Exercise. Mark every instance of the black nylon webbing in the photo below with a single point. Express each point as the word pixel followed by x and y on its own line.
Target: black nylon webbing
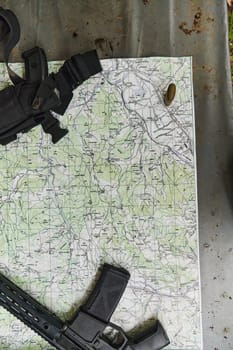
pixel 9 35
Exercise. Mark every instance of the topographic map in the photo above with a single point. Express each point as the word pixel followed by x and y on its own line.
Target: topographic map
pixel 119 188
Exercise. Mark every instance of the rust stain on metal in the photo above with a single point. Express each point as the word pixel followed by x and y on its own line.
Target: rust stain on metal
pixel 146 2
pixel 197 18
pixel 73 30
pixel 184 29
pixel 195 26
pixel 100 42
pixel 206 68
pixel 104 45
pixel 208 88
pixel 110 45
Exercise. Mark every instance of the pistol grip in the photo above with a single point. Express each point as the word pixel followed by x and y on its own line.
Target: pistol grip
pixel 153 339
pixel 94 316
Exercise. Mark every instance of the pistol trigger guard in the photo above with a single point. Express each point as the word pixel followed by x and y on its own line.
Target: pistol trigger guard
pixel 107 340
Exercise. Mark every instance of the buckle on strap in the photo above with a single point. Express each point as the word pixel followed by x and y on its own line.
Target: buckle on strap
pixel 51 126
pixel 73 73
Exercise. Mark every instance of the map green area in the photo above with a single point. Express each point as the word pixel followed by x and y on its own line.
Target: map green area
pixel 119 188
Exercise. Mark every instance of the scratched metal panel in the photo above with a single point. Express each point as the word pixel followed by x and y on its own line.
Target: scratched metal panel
pixel 131 28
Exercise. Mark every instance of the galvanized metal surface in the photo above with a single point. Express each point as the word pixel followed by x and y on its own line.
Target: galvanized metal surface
pixel 134 28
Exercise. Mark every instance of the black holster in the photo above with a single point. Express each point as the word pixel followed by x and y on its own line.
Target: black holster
pixel 14 115
pixel 35 99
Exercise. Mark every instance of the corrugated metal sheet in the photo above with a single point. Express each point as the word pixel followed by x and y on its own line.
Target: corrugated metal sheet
pixel 134 28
